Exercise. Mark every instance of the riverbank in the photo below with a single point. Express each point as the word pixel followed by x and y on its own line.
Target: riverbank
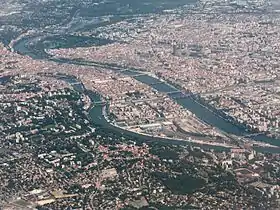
pixel 192 104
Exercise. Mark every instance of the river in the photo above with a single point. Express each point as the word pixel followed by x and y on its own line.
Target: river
pixel 195 105
pixel 97 118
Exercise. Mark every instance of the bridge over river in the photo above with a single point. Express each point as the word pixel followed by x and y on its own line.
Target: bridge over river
pixel 190 101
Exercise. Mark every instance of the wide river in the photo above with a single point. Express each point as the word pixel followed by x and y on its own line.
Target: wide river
pixel 194 104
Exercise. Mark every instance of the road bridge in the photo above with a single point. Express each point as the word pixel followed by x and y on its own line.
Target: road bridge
pixel 139 74
pixel 157 83
pixel 174 92
pixel 75 83
pixel 99 103
pixel 253 135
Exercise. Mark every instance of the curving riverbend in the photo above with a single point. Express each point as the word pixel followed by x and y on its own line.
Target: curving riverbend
pixel 192 103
